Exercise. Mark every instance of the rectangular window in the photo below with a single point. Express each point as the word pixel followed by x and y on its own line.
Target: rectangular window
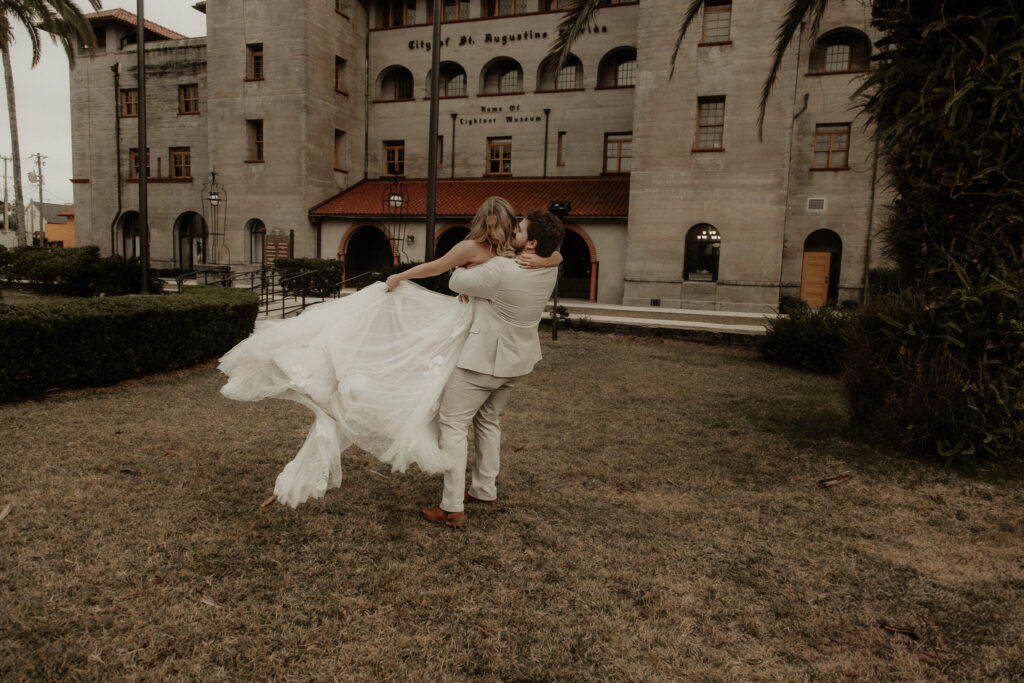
pixel 499 156
pixel 133 163
pixel 717 18
pixel 339 149
pixel 188 99
pixel 394 157
pixel 181 162
pixel 837 58
pixel 255 127
pixel 255 68
pixel 129 102
pixel 451 10
pixel 339 74
pixel 504 8
pixel 618 152
pixel 392 13
pixel 561 148
pixel 710 123
pixel 832 145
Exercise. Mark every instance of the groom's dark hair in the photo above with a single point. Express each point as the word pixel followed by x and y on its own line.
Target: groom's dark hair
pixel 544 227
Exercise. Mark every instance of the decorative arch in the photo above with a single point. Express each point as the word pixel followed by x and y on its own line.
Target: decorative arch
pixel 368 258
pixel 579 265
pixel 700 260
pixel 189 236
pixel 256 239
pixel 840 51
pixel 569 77
pixel 127 238
pixel 501 75
pixel 453 82
pixel 394 84
pixel 617 68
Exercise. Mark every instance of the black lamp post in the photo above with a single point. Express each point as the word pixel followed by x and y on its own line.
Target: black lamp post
pixel 561 209
pixel 395 205
pixel 214 196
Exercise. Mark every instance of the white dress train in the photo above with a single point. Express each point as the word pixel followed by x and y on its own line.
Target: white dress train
pixel 371 366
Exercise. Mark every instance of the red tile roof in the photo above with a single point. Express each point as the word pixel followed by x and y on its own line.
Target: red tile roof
pixel 126 17
pixel 590 197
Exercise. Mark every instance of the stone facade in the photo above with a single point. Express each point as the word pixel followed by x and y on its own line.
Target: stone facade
pixel 339 87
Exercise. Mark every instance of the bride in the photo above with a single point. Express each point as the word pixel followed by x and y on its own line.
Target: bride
pixel 372 365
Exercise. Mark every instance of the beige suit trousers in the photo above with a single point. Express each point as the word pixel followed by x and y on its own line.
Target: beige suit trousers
pixel 478 398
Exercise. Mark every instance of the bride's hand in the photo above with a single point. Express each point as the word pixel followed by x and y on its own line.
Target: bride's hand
pixel 393 281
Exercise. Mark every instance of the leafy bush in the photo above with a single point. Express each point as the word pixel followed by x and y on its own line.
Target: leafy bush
pixel 882 281
pixel 807 338
pixel 77 271
pixel 317 277
pixel 942 370
pixel 75 342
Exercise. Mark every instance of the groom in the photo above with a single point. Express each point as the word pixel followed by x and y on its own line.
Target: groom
pixel 508 302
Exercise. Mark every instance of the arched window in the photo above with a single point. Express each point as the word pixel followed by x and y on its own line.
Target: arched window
pixel 700 263
pixel 840 51
pixel 256 230
pixel 503 75
pixel 395 84
pixel 569 77
pixel 452 81
pixel 129 228
pixel 618 69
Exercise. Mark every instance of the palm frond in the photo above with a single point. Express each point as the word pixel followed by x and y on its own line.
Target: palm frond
pixel 691 12
pixel 795 17
pixel 570 28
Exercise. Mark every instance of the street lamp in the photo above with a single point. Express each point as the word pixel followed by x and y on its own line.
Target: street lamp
pixel 395 205
pixel 213 195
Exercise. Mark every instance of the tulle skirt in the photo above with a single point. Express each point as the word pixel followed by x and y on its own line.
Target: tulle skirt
pixel 371 366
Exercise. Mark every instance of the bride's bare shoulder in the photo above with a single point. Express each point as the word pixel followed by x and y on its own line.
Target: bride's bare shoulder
pixel 471 253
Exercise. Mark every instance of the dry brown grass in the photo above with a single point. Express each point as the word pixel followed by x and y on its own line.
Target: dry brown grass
pixel 660 518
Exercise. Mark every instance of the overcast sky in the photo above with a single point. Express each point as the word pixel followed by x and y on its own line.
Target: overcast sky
pixel 43 98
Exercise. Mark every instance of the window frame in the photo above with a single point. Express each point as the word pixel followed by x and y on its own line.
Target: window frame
pixel 184 156
pixel 339 73
pixel 701 101
pixel 183 100
pixel 821 130
pixel 492 9
pixel 257 142
pixel 719 7
pixel 398 148
pixel 446 79
pixel 339 141
pixel 129 103
pixel 133 164
pixel 386 13
pixel 504 146
pixel 618 139
pixel 255 63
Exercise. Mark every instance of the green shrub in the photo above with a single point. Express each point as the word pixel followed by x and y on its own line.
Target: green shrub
pixel 116 275
pixel 882 281
pixel 76 342
pixel 76 271
pixel 941 370
pixel 317 277
pixel 807 338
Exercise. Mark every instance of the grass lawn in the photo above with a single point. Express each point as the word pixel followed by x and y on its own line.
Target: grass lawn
pixel 659 518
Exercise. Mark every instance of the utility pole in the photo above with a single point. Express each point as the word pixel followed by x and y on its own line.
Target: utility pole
pixel 140 44
pixel 435 81
pixel 39 178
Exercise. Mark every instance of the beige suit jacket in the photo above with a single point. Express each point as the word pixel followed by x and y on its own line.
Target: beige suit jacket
pixel 508 302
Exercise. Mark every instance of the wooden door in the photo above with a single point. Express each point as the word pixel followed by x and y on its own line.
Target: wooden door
pixel 814 283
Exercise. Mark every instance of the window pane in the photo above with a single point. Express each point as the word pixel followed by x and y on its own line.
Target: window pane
pixel 567 77
pixel 837 58
pixel 716 25
pixel 821 143
pixel 821 159
pixel 839 159
pixel 626 73
pixel 510 81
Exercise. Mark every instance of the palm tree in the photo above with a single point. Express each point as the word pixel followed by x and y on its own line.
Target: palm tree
pixel 581 14
pixel 64 22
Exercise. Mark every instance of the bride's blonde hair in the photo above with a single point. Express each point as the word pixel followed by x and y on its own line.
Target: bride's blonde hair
pixel 498 235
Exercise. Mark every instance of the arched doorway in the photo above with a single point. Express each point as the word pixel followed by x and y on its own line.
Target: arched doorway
pixel 448 239
pixel 190 240
pixel 579 267
pixel 128 234
pixel 823 256
pixel 703 246
pixel 366 248
pixel 256 234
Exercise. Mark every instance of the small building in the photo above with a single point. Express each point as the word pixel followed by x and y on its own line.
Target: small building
pixel 62 234
pixel 39 216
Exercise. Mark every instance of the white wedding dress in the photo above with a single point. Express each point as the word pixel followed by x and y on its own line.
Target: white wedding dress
pixel 371 366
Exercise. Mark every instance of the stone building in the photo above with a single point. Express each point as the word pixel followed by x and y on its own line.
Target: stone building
pixel 302 129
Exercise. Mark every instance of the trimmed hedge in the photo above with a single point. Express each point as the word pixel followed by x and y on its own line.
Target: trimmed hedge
pixel 318 277
pixel 73 342
pixel 76 271
pixel 808 338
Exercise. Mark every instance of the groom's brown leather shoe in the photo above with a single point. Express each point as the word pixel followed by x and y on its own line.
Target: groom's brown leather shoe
pixel 473 499
pixel 450 519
